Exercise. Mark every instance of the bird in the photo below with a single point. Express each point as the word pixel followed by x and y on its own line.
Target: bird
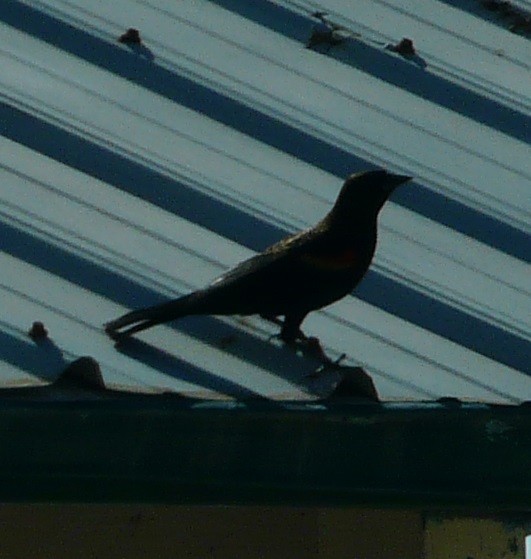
pixel 293 277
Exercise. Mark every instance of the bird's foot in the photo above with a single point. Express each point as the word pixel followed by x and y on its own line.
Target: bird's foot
pixel 315 349
pixel 310 346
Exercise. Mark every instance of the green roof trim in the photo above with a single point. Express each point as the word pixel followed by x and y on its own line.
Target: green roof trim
pixel 164 449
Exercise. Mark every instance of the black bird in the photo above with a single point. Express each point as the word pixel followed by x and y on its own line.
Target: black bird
pixel 299 274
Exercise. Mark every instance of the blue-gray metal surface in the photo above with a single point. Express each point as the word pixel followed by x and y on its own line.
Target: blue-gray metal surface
pixel 133 173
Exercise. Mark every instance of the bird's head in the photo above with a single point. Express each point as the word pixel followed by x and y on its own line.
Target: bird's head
pixel 364 194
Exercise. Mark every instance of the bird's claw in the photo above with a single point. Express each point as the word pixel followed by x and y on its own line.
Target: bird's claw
pixel 327 365
pixel 311 347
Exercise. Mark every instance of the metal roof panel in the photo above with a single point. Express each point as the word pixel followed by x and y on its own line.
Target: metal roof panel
pixel 131 176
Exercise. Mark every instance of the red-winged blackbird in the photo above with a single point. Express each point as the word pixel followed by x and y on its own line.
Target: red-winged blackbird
pixel 299 274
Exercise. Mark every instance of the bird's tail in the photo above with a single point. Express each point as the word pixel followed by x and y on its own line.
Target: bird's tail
pixel 135 321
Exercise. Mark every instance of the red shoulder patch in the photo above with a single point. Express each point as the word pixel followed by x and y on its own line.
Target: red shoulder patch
pixel 337 261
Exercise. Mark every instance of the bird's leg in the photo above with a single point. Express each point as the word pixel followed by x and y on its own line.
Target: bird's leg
pixel 275 320
pixel 291 329
pixel 272 318
pixel 291 333
pixel 327 365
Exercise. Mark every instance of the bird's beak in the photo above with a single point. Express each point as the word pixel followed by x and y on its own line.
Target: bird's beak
pixel 395 180
pixel 399 179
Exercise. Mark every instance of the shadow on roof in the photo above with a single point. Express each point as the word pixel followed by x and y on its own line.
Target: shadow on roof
pixel 43 360
pixel 393 69
pixel 272 131
pixel 383 292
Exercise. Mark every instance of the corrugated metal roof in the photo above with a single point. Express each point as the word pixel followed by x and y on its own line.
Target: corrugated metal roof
pixel 130 174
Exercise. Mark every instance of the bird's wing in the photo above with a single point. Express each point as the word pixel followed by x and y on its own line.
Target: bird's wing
pixel 309 249
pixel 317 248
pixel 254 266
pixel 275 254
